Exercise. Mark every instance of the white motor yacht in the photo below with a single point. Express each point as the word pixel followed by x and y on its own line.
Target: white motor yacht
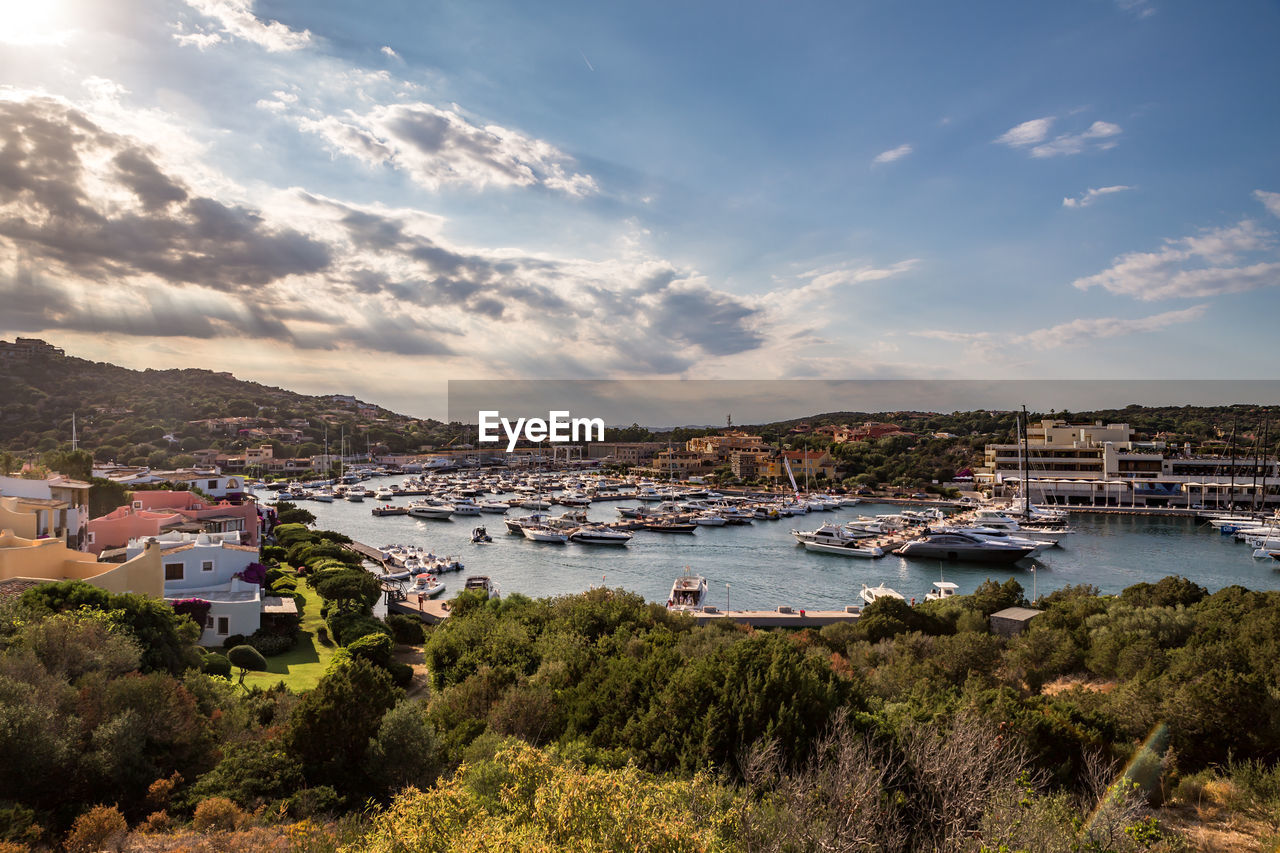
pixel 596 535
pixel 435 511
pixel 871 594
pixel 688 593
pixel 941 590
pixel 849 548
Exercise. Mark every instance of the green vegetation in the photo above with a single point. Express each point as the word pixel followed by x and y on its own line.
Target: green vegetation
pixel 637 729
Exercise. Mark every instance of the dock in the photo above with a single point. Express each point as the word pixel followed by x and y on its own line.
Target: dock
pixel 430 610
pixel 783 617
pixel 369 553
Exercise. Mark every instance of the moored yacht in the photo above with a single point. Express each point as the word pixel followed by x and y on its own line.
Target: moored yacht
pixel 962 546
pixel 688 593
pixel 872 594
pixel 598 535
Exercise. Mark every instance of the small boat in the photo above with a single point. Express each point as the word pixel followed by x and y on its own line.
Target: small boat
pixel 710 520
pixel 493 506
pixel 600 536
pixel 941 590
pixel 390 510
pixel 516 525
pixel 480 535
pixel 542 533
pixel 426 586
pixel 391 577
pixel 671 527
pixel 851 548
pixel 482 583
pixel 688 593
pixel 870 594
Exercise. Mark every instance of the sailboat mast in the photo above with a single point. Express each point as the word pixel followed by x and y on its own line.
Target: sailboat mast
pixel 1257 449
pixel 1266 460
pixel 1231 492
pixel 1026 464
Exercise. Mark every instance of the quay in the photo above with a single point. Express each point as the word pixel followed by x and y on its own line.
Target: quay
pixel 430 610
pixel 369 553
pixel 783 617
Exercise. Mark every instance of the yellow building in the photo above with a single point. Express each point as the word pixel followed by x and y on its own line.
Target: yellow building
pixel 51 560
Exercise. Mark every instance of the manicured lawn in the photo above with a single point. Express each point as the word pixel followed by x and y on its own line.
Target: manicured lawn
pixel 301 667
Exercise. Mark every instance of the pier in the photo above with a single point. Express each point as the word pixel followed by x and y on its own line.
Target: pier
pixel 783 617
pixel 430 610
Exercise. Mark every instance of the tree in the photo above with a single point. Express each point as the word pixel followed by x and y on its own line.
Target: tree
pixel 330 729
pixel 349 589
pixel 246 658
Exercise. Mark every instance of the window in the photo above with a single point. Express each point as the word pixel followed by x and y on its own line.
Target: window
pixel 224 626
pixel 173 571
pixel 92 537
pixel 206 566
pixel 213 484
pixel 208 622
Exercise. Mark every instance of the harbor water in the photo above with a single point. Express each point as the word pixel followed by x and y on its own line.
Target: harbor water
pixel 760 565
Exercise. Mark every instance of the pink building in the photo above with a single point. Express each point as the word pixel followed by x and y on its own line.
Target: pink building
pixel 151 513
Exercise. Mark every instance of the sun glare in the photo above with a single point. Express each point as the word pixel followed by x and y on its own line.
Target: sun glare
pixel 31 23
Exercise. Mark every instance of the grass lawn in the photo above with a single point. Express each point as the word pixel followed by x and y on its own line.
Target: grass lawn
pixel 299 668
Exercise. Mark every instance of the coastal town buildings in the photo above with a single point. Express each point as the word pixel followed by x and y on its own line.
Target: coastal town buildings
pixel 55 506
pixel 150 513
pixel 1103 465
pixel 26 562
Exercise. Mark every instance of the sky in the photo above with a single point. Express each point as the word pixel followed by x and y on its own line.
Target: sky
pixel 378 198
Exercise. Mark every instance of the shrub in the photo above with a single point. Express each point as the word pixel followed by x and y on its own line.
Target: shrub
pixel 401 673
pixel 158 822
pixel 18 824
pixel 273 552
pixel 216 814
pixel 348 627
pixel 216 664
pixel 373 647
pixel 233 641
pixel 100 828
pixel 271 645
pixel 406 629
pixel 322 634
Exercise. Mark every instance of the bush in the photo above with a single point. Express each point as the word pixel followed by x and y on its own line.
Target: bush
pixel 348 627
pixel 401 673
pixel 373 647
pixel 216 814
pixel 233 641
pixel 158 822
pixel 322 634
pixel 100 828
pixel 273 552
pixel 271 645
pixel 406 629
pixel 216 664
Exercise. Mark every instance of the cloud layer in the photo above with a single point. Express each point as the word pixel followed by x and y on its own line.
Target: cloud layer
pixel 1031 135
pixel 1091 195
pixel 95 235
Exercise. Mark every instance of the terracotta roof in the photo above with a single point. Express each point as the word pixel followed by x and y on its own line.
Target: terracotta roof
pixel 14 587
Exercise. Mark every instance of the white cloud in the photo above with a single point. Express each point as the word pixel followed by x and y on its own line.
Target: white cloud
pixel 1100 135
pixel 1091 195
pixel 390 51
pixel 1270 200
pixel 1081 331
pixel 1070 334
pixel 893 154
pixel 237 19
pixel 442 146
pixel 1141 8
pixel 1207 264
pixel 1027 133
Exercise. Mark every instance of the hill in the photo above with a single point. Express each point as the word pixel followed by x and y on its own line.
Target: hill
pixel 152 416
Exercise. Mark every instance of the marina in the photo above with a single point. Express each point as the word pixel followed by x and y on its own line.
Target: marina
pixel 760 566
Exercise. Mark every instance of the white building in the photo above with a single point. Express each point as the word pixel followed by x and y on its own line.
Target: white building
pixel 204 567
pixel 1097 465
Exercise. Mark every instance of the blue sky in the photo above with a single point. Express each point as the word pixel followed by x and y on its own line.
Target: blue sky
pixel 376 198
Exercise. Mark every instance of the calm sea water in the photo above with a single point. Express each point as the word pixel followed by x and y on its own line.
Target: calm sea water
pixel 763 567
